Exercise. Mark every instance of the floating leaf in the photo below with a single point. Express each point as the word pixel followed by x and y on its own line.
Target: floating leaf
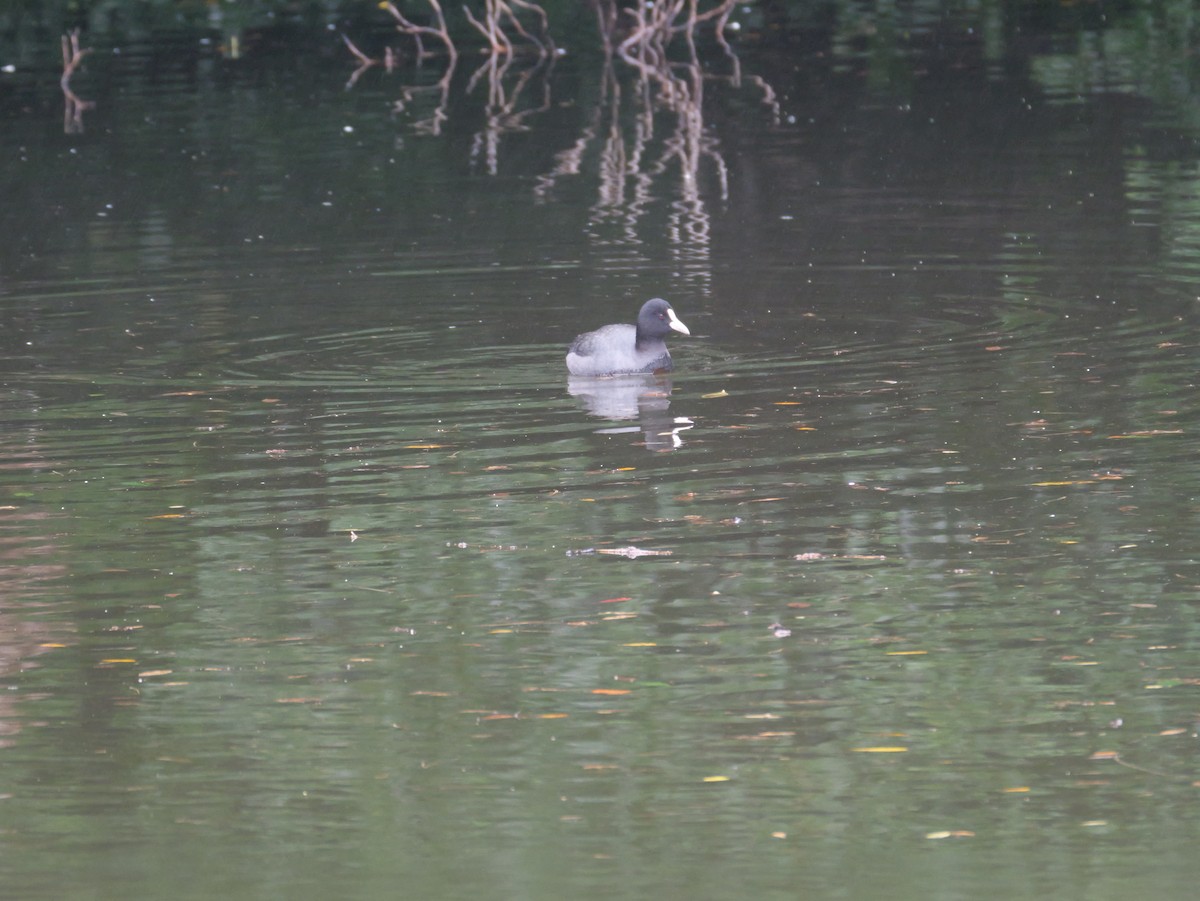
pixel 905 653
pixel 612 691
pixel 716 778
pixel 881 749
pixel 721 393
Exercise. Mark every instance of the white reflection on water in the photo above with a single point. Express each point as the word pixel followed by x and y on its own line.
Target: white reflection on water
pixel 645 397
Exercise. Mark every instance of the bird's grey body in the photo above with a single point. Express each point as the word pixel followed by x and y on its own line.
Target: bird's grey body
pixel 621 348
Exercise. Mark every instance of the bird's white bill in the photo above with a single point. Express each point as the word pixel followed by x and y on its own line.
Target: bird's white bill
pixel 676 323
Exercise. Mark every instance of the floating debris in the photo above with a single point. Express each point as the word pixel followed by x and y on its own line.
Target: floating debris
pixel 631 552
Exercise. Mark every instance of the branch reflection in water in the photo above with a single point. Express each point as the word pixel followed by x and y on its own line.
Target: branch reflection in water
pixel 502 113
pixel 641 86
pixel 642 396
pixel 73 106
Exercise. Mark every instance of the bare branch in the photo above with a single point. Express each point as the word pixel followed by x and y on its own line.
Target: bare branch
pixel 359 55
pixel 442 33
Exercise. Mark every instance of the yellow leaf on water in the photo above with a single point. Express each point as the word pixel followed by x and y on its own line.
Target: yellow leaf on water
pixel 721 393
pixel 881 749
pixel 716 778
pixel 612 691
pixel 1016 789
pixel 641 644
pixel 905 653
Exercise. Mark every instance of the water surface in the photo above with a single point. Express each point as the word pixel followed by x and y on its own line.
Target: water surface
pixel 319 578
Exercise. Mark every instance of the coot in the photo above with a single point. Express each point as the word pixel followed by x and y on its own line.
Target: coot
pixel 614 349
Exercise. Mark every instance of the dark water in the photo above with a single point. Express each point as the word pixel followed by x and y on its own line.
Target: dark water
pixel 319 579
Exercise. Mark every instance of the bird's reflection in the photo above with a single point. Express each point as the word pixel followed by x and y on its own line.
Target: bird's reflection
pixel 642 396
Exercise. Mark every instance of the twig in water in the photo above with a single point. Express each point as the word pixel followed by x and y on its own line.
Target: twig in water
pixel 441 32
pixel 74 106
pixel 364 62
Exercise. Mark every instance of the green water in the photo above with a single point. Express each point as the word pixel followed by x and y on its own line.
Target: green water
pixel 318 579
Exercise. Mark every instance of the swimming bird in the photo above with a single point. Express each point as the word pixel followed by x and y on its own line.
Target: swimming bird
pixel 620 348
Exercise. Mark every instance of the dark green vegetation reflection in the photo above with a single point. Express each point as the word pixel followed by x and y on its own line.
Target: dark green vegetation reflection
pixel 319 577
